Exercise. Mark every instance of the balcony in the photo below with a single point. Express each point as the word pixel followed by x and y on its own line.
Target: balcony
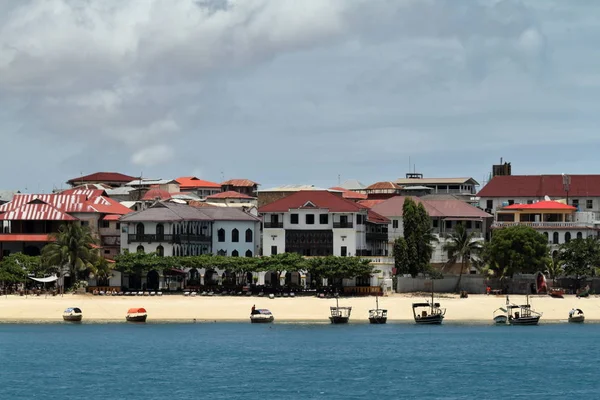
pixel 190 238
pixel 273 224
pixel 111 240
pixel 167 238
pixel 337 225
pixel 372 236
pixel 545 225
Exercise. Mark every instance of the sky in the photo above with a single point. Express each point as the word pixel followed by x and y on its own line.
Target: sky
pixel 296 92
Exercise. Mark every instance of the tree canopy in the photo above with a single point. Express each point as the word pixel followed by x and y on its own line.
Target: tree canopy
pixel 580 257
pixel 412 253
pixel 461 245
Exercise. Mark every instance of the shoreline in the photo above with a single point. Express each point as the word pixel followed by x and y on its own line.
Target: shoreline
pixel 177 309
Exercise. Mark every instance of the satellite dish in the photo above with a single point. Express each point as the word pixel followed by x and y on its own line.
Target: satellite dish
pixel 547 198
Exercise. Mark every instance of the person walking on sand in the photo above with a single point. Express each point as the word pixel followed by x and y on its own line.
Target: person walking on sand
pixel 253 309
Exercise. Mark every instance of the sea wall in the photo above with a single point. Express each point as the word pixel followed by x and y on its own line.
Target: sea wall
pixel 470 283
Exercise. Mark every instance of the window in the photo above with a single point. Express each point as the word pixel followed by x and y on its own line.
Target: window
pixel 567 237
pixel 249 235
pixel 235 253
pixel 575 202
pixel 106 251
pixel 105 224
pixel 344 251
pixel 395 224
pixel 448 224
pixel 589 203
pixel 139 229
pixel 294 219
pixel 140 249
pixel 248 253
pixel 477 225
pixel 555 238
pixel 323 219
pixel 221 235
pixel 489 204
pixel 469 224
pixel 529 201
pixel 85 223
pixel 222 253
pixel 235 235
pixel 273 250
pixel 310 219
pixel 360 219
pixel 511 202
pixel 160 232
pixel 118 225
pixel 579 235
pixel 435 223
pixel 160 251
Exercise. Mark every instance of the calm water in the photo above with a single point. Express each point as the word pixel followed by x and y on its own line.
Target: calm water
pixel 234 361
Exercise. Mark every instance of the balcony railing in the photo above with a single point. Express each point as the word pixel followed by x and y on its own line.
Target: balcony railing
pixel 150 238
pixel 273 224
pixel 544 224
pixel 372 236
pixel 343 225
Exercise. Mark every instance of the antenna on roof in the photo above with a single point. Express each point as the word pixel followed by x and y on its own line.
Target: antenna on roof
pixel 339 179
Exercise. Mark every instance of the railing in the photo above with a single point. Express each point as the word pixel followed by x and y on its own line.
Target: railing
pixel 372 236
pixel 501 224
pixel 343 225
pixel 190 238
pixel 273 224
pixel 149 238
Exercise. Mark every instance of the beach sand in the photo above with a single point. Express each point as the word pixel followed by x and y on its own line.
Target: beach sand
pixel 177 308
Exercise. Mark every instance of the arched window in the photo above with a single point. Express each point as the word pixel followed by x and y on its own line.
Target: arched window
pixel 140 249
pixel 546 234
pixel 248 253
pixel 160 251
pixel 139 230
pixel 555 238
pixel 235 235
pixel 579 235
pixel 221 235
pixel 249 235
pixel 567 237
pixel 235 253
pixel 221 253
pixel 160 232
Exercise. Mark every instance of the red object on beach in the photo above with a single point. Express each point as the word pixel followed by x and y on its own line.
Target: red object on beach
pixel 136 311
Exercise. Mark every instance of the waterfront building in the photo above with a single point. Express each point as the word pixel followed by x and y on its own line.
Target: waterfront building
pixel 244 186
pixel 199 187
pixel 461 188
pixel 110 179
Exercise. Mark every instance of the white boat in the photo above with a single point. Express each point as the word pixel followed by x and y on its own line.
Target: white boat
pixel 501 316
pixel 261 316
pixel 576 316
pixel 73 314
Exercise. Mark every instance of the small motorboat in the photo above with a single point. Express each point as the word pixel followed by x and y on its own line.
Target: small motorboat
pixel 136 315
pixel 501 316
pixel 73 314
pixel 377 316
pixel 261 316
pixel 557 293
pixel 339 315
pixel 576 316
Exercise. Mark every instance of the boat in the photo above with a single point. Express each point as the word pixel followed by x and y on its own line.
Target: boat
pixel 501 316
pixel 584 292
pixel 261 316
pixel 576 316
pixel 523 314
pixel 435 316
pixel 378 315
pixel 557 293
pixel 73 314
pixel 136 315
pixel 339 315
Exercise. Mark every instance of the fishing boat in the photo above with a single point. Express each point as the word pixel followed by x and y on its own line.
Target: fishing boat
pixel 136 315
pixel 73 314
pixel 435 315
pixel 339 315
pixel 557 293
pixel 261 316
pixel 523 314
pixel 576 316
pixel 378 315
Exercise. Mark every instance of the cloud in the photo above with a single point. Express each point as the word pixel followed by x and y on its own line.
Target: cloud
pixel 153 155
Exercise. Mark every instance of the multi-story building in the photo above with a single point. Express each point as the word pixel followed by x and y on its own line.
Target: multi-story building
pixel 580 191
pixel 244 186
pixel 321 223
pixel 463 188
pixel 382 190
pixel 112 179
pixel 199 187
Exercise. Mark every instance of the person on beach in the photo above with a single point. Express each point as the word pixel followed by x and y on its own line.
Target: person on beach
pixel 253 310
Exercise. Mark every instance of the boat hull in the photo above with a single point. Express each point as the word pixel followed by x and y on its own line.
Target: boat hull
pixel 73 318
pixel 430 320
pixel 577 320
pixel 378 320
pixel 261 320
pixel 339 320
pixel 136 318
pixel 500 319
pixel 524 321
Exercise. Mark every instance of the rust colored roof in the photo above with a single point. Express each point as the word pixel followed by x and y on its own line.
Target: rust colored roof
pixel 349 194
pixel 191 182
pixel 36 212
pixel 308 198
pixel 435 208
pixel 239 183
pixel 106 205
pixel 111 217
pixel 156 193
pixel 375 218
pixel 541 205
pixel 88 193
pixel 104 177
pixel 370 203
pixel 229 195
pixel 199 204
pixel 383 186
pixel 540 186
pixel 63 202
pixel 17 237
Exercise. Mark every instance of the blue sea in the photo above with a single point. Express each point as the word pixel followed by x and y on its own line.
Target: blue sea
pixel 296 361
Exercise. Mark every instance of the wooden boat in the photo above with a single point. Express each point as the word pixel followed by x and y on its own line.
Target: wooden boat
pixel 73 314
pixel 576 316
pixel 136 315
pixel 584 292
pixel 523 314
pixel 435 315
pixel 557 293
pixel 261 316
pixel 378 315
pixel 501 316
pixel 339 315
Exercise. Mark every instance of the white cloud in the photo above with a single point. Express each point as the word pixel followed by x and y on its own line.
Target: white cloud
pixel 153 155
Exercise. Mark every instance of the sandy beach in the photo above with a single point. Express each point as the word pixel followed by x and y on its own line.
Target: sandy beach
pixel 177 308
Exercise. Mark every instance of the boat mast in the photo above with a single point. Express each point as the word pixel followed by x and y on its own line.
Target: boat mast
pixel 432 296
pixel 377 302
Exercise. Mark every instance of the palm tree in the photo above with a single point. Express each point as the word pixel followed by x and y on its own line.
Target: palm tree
pixel 72 247
pixel 461 245
pixel 554 267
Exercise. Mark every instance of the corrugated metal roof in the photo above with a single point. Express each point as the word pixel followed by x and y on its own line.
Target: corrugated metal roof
pixel 383 186
pixel 433 181
pixel 168 211
pixel 36 212
pixel 147 182
pixel 18 237
pixel 189 182
pixel 435 208
pixel 321 199
pixel 352 184
pixel 239 183
pixel 103 177
pixel 290 188
pixel 540 186
pixel 120 191
pixel 88 193
pixel 63 202
pixel 229 195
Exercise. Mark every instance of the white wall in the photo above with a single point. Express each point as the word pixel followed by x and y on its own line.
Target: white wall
pixel 273 237
pixel 349 241
pixel 497 201
pixel 242 246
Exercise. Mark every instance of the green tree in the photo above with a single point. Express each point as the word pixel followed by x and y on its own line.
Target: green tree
pixel 554 267
pixel 416 255
pixel 401 259
pixel 15 268
pixel 516 249
pixel 461 246
pixel 580 256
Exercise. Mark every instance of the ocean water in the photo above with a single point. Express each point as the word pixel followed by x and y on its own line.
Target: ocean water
pixel 296 361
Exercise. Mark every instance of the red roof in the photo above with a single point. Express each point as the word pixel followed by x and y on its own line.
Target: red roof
pixel 349 194
pixel 111 217
pixel 156 193
pixel 106 205
pixel 36 212
pixel 370 203
pixel 88 193
pixel 191 182
pixel 63 202
pixel 12 237
pixel 312 198
pixel 104 177
pixel 541 205
pixel 239 183
pixel 540 186
pixel 435 208
pixel 383 186
pixel 229 195
pixel 375 218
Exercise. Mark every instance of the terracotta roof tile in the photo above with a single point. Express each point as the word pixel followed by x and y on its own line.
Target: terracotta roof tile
pixel 349 194
pixel 541 205
pixel 191 182
pixel 156 193
pixel 383 186
pixel 370 203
